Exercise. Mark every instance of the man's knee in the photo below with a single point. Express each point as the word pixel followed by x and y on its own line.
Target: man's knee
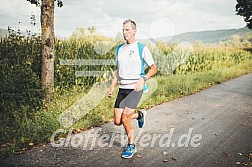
pixel 126 118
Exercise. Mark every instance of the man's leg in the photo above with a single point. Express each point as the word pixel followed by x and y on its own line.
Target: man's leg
pixel 129 103
pixel 127 116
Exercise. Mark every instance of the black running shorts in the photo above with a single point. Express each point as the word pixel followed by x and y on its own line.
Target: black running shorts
pixel 128 98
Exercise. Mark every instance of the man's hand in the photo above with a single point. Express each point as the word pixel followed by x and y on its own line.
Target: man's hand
pixel 139 85
pixel 110 92
pixel 113 84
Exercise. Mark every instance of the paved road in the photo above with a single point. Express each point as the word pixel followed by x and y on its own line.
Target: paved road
pixel 210 128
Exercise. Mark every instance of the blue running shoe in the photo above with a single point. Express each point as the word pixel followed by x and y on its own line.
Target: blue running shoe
pixel 141 118
pixel 129 151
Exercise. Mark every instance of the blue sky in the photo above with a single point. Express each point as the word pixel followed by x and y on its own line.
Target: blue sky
pixel 154 18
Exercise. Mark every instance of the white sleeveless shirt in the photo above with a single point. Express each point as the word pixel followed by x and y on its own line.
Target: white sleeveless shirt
pixel 129 64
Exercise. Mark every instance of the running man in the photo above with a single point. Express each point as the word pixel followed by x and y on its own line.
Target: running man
pixel 130 59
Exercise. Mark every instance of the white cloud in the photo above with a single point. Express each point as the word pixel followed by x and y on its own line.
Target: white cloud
pixel 154 18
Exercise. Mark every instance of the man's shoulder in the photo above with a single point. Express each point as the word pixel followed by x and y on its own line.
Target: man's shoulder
pixel 140 43
pixel 120 45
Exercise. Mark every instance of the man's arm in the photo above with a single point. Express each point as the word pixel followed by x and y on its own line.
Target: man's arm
pixel 113 84
pixel 153 71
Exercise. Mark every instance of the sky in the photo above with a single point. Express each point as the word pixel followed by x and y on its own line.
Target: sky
pixel 154 18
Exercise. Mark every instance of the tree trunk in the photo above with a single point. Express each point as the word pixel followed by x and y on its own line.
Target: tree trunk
pixel 47 53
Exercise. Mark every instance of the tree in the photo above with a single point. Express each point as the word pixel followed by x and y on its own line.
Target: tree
pixel 78 33
pixel 47 42
pixel 92 29
pixel 244 8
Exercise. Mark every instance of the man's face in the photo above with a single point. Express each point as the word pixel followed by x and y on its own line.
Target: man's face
pixel 128 31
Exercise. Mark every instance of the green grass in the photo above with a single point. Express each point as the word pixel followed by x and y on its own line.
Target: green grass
pixel 169 88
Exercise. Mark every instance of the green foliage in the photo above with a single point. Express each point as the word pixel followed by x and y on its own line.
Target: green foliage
pixel 20 81
pixel 81 47
pixel 244 8
pixel 203 59
pixel 170 60
pixel 20 69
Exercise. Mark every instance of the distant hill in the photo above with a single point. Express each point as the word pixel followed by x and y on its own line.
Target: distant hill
pixel 213 36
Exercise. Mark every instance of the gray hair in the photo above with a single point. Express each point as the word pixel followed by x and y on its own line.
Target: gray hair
pixel 133 24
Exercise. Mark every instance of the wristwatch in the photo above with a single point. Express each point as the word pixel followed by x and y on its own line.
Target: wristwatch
pixel 145 78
